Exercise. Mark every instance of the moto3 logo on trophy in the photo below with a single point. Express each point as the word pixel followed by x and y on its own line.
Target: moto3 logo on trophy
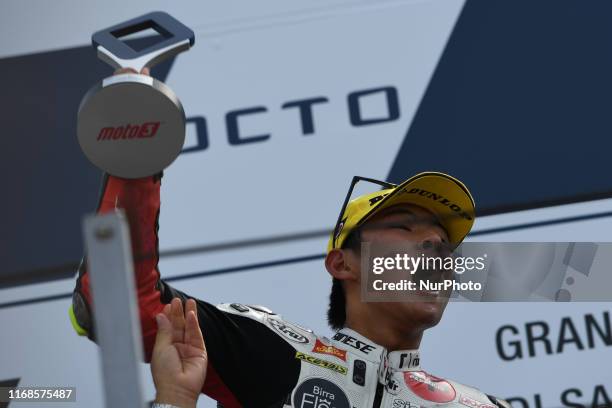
pixel 129 131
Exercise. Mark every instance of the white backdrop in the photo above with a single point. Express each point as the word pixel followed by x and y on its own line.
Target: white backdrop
pixel 265 54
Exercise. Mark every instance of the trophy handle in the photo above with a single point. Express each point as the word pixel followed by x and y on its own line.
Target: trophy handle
pixel 113 51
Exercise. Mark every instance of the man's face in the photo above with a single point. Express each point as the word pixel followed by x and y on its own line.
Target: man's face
pixel 416 231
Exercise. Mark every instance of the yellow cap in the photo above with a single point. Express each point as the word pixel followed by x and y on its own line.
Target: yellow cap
pixel 443 195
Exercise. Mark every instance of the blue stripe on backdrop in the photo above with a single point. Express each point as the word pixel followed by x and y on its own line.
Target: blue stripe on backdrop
pixel 519 104
pixel 308 258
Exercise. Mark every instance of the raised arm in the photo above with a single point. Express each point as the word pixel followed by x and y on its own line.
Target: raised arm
pixel 140 199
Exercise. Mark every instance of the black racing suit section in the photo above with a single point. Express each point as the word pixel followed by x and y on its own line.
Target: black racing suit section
pixel 248 363
pixel 258 367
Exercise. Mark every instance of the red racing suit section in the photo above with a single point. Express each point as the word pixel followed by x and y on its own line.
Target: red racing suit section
pixel 242 370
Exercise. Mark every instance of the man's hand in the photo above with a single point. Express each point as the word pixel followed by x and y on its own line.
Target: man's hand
pixel 179 358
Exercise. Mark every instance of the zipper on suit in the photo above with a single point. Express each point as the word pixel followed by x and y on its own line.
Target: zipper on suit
pixel 378 395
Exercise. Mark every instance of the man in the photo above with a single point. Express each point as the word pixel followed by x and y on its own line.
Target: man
pixel 257 359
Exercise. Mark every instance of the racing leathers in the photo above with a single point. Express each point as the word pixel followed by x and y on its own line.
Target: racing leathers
pixel 258 359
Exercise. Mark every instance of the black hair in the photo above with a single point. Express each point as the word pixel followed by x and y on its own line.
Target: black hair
pixel 336 314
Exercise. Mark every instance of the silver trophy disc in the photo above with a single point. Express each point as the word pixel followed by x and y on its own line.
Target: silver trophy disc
pixel 132 125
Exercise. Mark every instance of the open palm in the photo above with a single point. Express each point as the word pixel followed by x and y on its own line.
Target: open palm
pixel 179 357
